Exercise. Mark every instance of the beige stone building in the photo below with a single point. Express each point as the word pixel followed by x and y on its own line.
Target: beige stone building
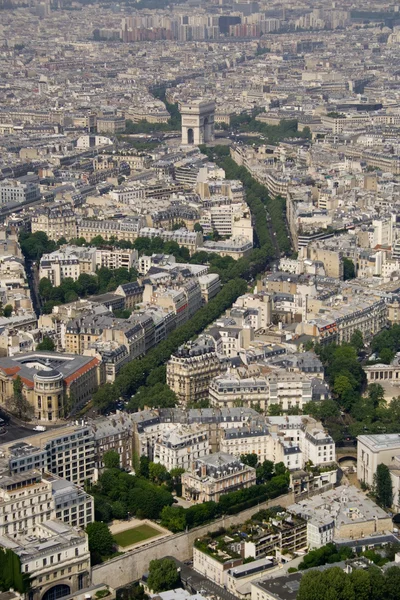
pixel 55 221
pixel 214 475
pixel 52 383
pixel 373 450
pixel 332 259
pixel 191 369
pixel 341 513
pixel 110 124
pixel 54 553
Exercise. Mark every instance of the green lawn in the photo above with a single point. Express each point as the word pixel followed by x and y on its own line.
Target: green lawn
pixel 135 535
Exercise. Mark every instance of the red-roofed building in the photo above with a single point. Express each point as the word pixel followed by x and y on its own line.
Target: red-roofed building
pixel 54 384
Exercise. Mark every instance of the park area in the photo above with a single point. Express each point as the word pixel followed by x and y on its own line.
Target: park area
pixel 127 534
pixel 135 535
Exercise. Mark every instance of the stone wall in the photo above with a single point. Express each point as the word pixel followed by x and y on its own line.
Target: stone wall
pixel 130 566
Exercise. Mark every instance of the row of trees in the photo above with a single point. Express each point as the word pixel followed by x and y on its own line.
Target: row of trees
pixel 148 495
pixel 328 554
pixel 177 518
pixel 360 584
pixel 259 201
pixel 134 374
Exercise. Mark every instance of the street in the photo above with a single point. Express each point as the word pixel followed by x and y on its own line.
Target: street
pixel 15 432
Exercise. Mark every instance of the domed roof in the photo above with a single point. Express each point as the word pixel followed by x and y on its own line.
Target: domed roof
pixel 48 374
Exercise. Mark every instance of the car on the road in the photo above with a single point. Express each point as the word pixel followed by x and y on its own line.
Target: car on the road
pixel 39 428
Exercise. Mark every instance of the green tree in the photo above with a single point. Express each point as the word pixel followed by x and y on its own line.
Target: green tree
pixel 275 410
pixel 376 394
pixel 383 486
pixel 377 583
pixel 101 542
pixel 11 575
pixel 70 296
pixel 349 271
pixel 392 583
pixel 173 518
pixel 119 510
pixel 197 227
pixel 265 471
pixel 386 356
pixel 144 466
pixel 105 396
pixel 342 385
pixel 157 472
pixel 45 288
pixel 250 460
pixel 46 344
pixel 111 459
pixel 7 311
pixel 360 581
pixel 18 402
pixel 357 340
pixel 176 480
pixel 163 575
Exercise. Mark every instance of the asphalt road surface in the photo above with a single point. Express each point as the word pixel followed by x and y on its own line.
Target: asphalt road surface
pixel 15 432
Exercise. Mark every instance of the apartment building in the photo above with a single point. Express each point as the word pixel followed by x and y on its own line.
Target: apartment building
pixel 179 447
pixel 110 124
pixel 189 239
pixel 116 258
pixel 53 551
pixel 191 369
pixel 182 300
pixel 308 434
pixel 229 390
pixel 364 313
pixel 210 285
pixel 149 425
pixel 56 221
pixel 259 309
pixel 210 477
pixel 235 247
pixel 229 220
pixel 131 292
pixel 56 557
pixel 58 266
pixel 72 261
pixel 122 229
pixel 284 533
pixel 82 333
pixel 332 259
pixel 214 566
pixel 67 452
pixel 250 439
pixel 112 434
pixel 18 191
